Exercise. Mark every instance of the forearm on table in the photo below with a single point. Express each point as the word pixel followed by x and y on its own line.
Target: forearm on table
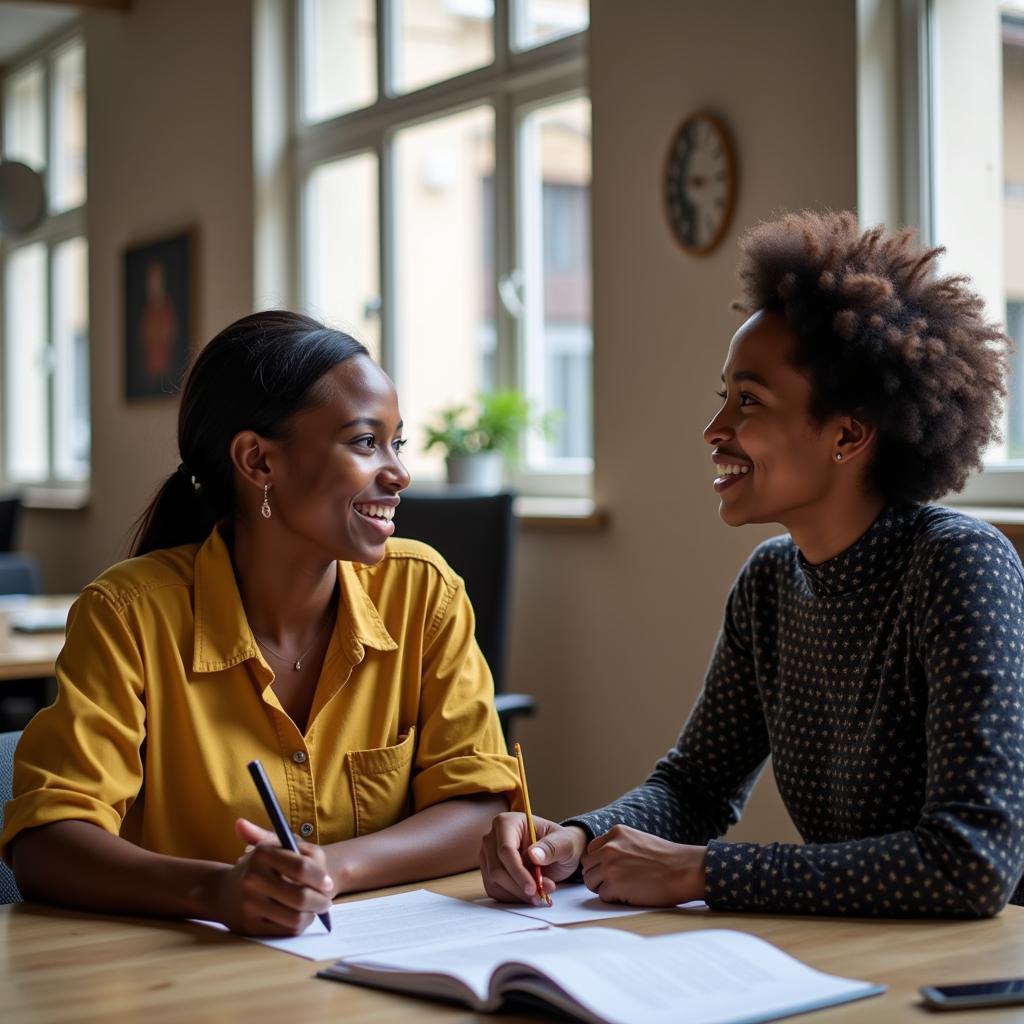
pixel 77 864
pixel 440 840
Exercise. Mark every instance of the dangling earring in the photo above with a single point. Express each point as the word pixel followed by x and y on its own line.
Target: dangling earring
pixel 265 507
pixel 839 458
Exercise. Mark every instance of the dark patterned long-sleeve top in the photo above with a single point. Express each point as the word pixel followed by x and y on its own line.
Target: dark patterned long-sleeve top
pixel 887 684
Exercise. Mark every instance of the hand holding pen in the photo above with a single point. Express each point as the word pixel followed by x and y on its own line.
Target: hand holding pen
pixel 268 891
pixel 538 877
pixel 284 833
pixel 276 886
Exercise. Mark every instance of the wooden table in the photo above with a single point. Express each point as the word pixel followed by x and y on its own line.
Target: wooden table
pixel 60 966
pixel 30 655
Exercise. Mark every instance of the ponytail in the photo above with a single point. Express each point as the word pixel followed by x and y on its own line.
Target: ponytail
pixel 178 514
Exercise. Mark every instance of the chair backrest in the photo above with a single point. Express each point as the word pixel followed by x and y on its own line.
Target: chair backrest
pixel 10 515
pixel 19 574
pixel 8 741
pixel 475 534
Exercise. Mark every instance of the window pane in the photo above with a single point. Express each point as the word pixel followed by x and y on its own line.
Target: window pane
pixel 442 174
pixel 342 278
pixel 1013 199
pixel 26 376
pixel 540 21
pixel 340 46
pixel 71 360
pixel 438 39
pixel 24 117
pixel 67 184
pixel 555 258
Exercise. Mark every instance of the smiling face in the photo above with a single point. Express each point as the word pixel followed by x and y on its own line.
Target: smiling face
pixel 773 463
pixel 337 475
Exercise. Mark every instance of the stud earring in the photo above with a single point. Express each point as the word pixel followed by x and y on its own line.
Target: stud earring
pixel 839 456
pixel 265 507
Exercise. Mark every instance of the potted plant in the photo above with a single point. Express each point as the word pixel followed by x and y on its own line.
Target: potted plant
pixel 477 442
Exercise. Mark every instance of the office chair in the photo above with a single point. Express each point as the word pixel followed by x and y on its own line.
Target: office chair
pixel 10 516
pixel 8 741
pixel 20 699
pixel 475 533
pixel 19 574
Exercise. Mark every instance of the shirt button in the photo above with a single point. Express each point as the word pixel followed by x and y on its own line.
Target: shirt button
pixel 306 829
pixel 299 757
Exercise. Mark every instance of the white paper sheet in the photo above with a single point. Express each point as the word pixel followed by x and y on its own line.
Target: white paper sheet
pixel 420 918
pixel 573 903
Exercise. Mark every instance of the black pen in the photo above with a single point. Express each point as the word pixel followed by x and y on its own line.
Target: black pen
pixel 284 833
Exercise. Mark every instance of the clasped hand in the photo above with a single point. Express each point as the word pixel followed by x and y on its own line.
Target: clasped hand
pixel 270 890
pixel 622 866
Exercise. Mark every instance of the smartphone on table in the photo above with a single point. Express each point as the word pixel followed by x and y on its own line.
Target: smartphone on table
pixel 1002 992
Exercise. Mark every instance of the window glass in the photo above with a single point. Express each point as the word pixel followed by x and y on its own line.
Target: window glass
pixel 342 284
pixel 26 366
pixel 67 175
pixel 442 168
pixel 1013 207
pixel 71 360
pixel 340 46
pixel 438 39
pixel 25 117
pixel 541 21
pixel 555 257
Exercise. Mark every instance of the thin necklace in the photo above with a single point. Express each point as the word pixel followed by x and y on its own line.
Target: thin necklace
pixel 297 664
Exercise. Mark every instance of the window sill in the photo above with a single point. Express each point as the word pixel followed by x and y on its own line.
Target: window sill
pixel 534 511
pixel 559 514
pixel 69 498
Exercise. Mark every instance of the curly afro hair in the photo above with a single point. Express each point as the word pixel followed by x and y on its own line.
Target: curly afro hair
pixel 883 338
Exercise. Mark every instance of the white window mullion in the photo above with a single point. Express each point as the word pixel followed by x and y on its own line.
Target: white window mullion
pixel 507 279
pixel 386 188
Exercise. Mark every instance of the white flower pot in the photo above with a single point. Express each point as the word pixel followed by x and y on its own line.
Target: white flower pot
pixel 480 471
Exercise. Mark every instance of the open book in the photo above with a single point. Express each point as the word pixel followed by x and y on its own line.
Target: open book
pixel 613 977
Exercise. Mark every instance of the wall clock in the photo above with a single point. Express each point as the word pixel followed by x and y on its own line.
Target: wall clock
pixel 700 183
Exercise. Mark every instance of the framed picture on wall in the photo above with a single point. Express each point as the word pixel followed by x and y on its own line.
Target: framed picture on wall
pixel 158 315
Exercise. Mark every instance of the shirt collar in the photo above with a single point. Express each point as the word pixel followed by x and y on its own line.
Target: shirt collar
pixel 222 634
pixel 876 556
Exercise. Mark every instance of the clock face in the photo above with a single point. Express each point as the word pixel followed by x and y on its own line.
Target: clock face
pixel 700 183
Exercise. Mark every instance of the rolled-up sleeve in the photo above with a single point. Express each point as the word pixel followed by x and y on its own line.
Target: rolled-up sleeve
pixel 80 759
pixel 461 750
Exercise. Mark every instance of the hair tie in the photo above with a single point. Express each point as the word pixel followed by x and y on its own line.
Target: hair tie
pixel 184 471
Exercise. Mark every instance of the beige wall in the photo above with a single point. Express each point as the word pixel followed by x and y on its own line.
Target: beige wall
pixel 170 145
pixel 611 629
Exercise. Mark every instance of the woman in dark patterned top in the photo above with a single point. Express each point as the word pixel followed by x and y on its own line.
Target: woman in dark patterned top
pixel 876 652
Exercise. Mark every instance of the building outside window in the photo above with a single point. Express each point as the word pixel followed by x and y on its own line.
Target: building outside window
pixel 443 179
pixel 972 185
pixel 1012 32
pixel 44 370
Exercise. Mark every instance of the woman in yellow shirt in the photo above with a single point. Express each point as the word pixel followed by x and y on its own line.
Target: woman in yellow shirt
pixel 266 614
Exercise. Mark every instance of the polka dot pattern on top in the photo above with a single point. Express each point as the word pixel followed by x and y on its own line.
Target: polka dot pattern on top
pixel 887 684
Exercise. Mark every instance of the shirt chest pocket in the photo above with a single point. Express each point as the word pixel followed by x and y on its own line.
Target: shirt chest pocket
pixel 381 791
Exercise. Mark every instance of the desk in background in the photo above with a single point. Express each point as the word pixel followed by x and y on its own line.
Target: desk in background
pixel 57 966
pixel 30 655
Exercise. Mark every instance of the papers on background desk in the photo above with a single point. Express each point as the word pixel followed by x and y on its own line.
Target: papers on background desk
pixel 418 918
pixel 575 903
pixel 39 620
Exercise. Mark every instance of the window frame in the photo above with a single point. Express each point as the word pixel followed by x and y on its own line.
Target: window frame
pixel 515 83
pixel 998 485
pixel 52 231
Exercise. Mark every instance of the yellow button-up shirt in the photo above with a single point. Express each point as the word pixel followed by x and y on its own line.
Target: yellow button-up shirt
pixel 164 698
